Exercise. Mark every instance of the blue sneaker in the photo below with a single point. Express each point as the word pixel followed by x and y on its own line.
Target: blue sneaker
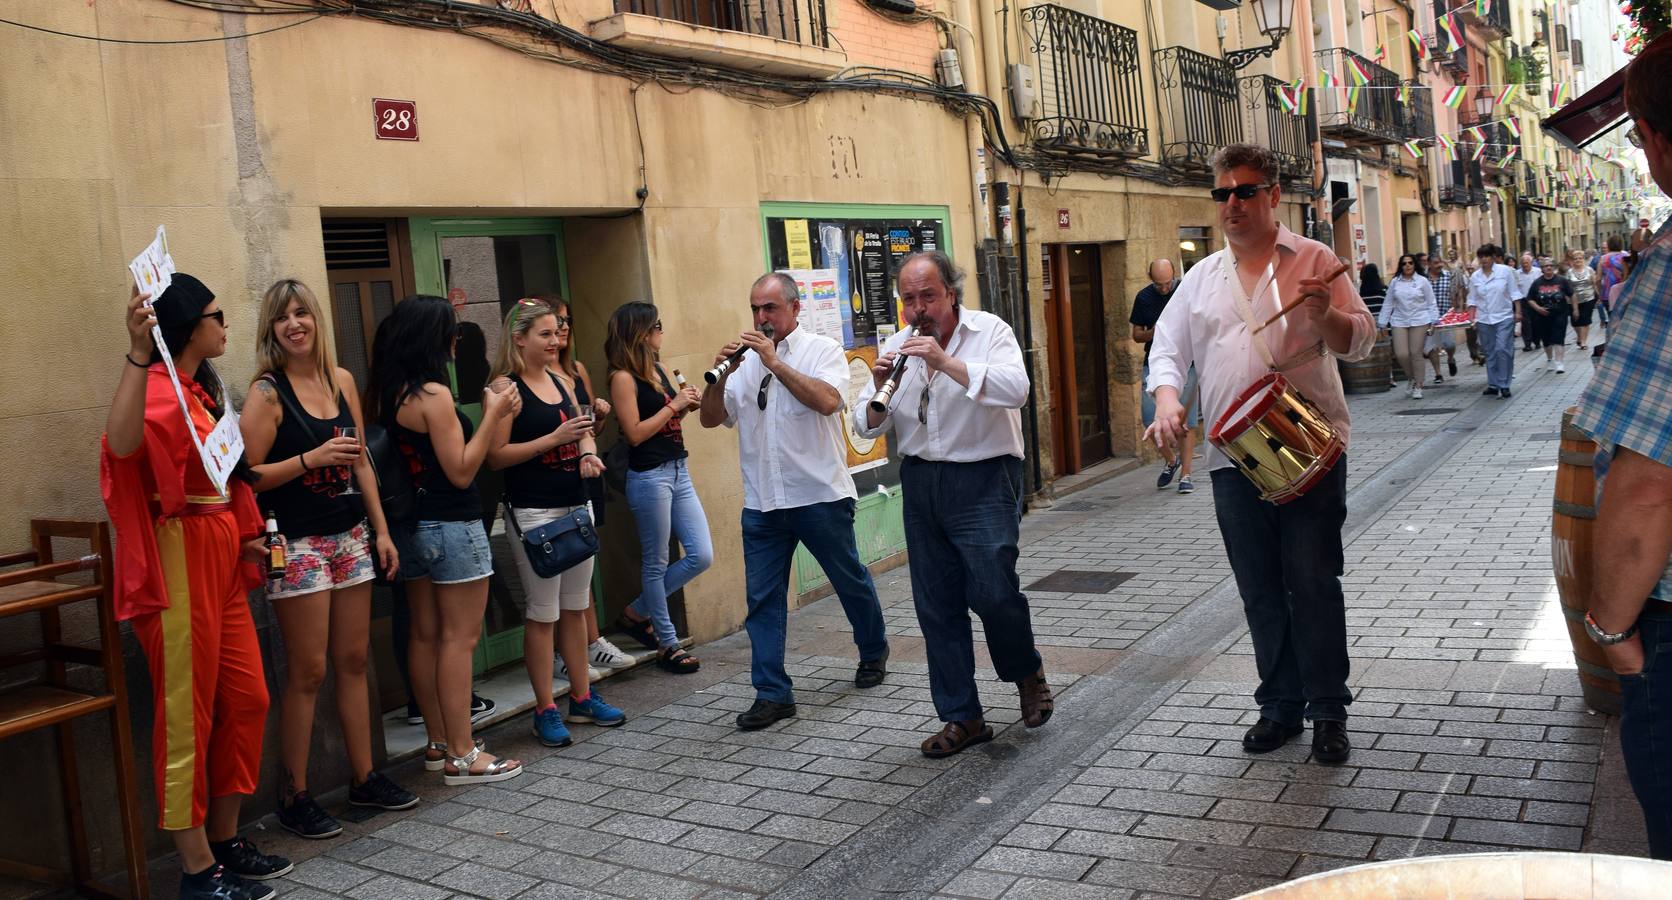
pixel 593 709
pixel 549 727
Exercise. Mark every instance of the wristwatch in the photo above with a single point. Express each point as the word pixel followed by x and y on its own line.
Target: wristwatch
pixel 1603 637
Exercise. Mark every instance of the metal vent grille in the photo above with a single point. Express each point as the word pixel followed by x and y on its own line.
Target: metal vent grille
pixel 356 245
pixel 351 346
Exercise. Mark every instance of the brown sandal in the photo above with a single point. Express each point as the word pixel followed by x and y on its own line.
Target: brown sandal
pixel 956 737
pixel 1037 703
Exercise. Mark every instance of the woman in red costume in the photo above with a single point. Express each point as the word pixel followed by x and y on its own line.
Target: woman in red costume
pixel 189 609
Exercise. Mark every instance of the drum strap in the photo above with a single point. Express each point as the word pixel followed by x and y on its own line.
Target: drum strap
pixel 1245 309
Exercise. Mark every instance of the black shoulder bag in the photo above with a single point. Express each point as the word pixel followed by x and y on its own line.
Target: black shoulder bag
pixel 558 545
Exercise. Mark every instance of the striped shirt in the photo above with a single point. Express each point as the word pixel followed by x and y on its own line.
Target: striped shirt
pixel 1629 402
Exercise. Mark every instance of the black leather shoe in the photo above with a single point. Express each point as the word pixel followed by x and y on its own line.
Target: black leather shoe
pixel 764 713
pixel 871 671
pixel 1504 393
pixel 1329 743
pixel 1267 735
pixel 1489 392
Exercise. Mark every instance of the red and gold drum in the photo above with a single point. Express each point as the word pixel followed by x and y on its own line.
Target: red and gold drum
pixel 1278 438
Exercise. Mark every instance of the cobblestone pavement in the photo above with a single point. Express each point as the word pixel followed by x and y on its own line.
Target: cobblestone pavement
pixel 1469 732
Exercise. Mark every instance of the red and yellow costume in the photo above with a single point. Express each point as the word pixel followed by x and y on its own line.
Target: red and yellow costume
pixel 180 581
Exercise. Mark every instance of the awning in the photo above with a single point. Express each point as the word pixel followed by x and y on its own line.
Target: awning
pixel 1597 112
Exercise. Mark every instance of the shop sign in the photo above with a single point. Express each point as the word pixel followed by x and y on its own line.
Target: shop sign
pixel 396 120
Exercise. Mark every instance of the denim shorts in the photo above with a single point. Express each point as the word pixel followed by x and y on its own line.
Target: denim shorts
pixel 447 553
pixel 1192 414
pixel 325 562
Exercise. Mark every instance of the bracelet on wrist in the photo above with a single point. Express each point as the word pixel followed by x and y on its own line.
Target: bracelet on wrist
pixel 303 459
pixel 138 365
pixel 588 453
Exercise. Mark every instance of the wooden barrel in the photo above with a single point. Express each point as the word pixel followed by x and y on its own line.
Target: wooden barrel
pixel 1369 375
pixel 1570 552
pixel 1542 875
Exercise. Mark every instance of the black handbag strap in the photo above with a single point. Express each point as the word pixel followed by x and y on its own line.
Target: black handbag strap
pixel 667 386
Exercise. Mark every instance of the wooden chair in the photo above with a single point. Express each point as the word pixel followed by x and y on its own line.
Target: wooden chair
pixel 54 703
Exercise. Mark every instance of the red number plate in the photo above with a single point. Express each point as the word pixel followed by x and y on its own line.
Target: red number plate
pixel 396 120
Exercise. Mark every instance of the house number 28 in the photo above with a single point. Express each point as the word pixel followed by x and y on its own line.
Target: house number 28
pixel 397 120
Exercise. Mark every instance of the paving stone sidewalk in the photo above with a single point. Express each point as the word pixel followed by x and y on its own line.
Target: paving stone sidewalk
pixel 1468 728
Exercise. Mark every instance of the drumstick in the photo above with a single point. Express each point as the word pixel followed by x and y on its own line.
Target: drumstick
pixel 1295 304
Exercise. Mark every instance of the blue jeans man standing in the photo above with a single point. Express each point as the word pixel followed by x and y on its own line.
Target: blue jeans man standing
pixel 780 386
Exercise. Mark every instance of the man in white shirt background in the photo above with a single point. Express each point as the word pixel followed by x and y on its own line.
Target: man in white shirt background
pixel 1492 294
pixel 784 399
pixel 1523 279
pixel 957 424
pixel 1287 559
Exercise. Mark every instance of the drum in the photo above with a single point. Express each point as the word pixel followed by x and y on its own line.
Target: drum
pixel 1278 438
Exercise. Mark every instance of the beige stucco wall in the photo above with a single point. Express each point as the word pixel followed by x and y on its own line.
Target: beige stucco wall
pixel 240 147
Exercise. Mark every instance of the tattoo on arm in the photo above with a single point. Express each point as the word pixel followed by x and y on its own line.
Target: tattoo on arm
pixel 268 393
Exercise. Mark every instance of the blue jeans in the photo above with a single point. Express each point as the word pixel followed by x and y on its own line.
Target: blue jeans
pixel 1646 731
pixel 664 502
pixel 1192 413
pixel 769 540
pixel 962 522
pixel 1288 562
pixel 1498 343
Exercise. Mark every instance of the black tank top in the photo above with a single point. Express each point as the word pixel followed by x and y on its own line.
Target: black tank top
pixel 438 499
pixel 665 445
pixel 309 504
pixel 553 478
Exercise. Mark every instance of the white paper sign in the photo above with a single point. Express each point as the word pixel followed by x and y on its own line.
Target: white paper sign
pixel 821 311
pixel 153 271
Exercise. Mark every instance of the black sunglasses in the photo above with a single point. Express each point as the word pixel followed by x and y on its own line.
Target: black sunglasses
pixel 218 315
pixel 760 398
pixel 657 326
pixel 1242 192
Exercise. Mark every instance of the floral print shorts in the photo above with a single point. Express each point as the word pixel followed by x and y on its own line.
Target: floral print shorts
pixel 325 562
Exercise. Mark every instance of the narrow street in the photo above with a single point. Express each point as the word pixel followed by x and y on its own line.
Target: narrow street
pixel 1469 730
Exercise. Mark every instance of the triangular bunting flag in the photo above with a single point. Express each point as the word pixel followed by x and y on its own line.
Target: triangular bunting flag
pixel 1505 94
pixel 1419 43
pixel 1412 148
pixel 1356 69
pixel 1325 79
pixel 1514 126
pixel 1474 132
pixel 1454 97
pixel 1480 150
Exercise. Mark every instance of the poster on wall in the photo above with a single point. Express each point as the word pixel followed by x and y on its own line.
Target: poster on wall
pixel 820 301
pixel 875 281
pixel 863 452
pixel 834 247
pixel 798 243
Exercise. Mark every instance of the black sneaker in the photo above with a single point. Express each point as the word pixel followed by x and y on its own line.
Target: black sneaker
pixel 480 708
pixel 241 858
pixel 382 793
pixel 305 818
pixel 1168 470
pixel 1451 365
pixel 216 883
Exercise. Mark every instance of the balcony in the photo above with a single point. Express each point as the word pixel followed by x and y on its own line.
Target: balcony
pixel 780 37
pixel 1375 117
pixel 1270 124
pixel 1495 25
pixel 1089 85
pixel 1461 182
pixel 1199 106
pixel 1578 54
pixel 1419 114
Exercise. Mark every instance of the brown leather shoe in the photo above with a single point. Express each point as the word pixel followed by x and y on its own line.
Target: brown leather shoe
pixel 956 737
pixel 1037 703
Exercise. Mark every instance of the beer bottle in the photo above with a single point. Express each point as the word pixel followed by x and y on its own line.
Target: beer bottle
pixel 275 549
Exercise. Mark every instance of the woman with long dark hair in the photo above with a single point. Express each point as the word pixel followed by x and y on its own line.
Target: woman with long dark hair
pixel 659 490
pixel 185 560
pixel 546 452
pixel 1408 313
pixel 302 437
pixel 446 561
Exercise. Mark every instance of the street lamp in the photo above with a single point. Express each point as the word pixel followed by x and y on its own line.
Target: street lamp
pixel 1483 105
pixel 1272 17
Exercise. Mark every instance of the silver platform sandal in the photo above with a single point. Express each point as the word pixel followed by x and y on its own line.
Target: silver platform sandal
pixel 498 770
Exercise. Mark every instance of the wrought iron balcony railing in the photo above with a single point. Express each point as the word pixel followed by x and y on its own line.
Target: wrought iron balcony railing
pixel 1089 84
pixel 1495 24
pixel 798 21
pixel 1461 182
pixel 1372 116
pixel 1270 122
pixel 1199 106
pixel 1419 113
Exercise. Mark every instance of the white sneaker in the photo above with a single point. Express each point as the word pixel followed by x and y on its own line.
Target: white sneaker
pixel 592 674
pixel 603 653
pixel 1416 393
pixel 1560 369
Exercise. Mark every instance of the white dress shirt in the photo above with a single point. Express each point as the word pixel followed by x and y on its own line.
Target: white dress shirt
pixel 1410 302
pixel 790 454
pixel 1493 296
pixel 965 424
pixel 1524 281
pixel 1208 324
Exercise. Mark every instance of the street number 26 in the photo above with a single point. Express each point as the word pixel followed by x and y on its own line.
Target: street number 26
pixel 397 120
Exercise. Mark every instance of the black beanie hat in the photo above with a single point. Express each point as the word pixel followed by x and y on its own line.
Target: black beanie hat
pixel 183 302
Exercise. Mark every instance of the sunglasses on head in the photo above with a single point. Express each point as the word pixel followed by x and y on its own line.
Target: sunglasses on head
pixel 1242 192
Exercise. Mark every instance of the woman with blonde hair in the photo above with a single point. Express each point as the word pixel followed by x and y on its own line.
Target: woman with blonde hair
pixel 545 452
pixel 301 427
pixel 659 490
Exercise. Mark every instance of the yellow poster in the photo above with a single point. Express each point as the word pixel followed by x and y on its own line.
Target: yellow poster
pixel 863 453
pixel 799 245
